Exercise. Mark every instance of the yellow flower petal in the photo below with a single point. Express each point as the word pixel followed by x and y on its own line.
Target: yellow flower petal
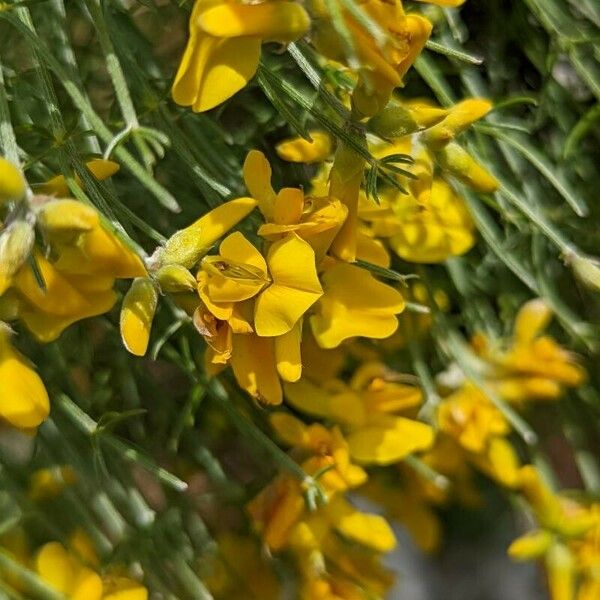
pixel 137 314
pixel 237 274
pixel 461 116
pixel 55 567
pixel 100 168
pixel 371 250
pixel 60 298
pixel 307 397
pixel 530 546
pixel 23 398
pixel 257 176
pixel 16 243
pixel 354 304
pixel 253 363
pixel 67 216
pixel 288 206
pixel 294 290
pixel 213 70
pixel 47 327
pixel 292 431
pixel 287 353
pixel 100 252
pixel 188 245
pixel 533 317
pixel 303 151
pixel 87 586
pixel 389 441
pixel 560 566
pixel 369 530
pixel 278 21
pixel 12 184
pixel 123 588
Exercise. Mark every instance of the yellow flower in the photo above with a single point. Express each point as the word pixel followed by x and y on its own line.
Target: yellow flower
pixel 383 63
pixel 432 228
pixel 23 398
pixel 366 411
pixel 469 417
pixel 223 51
pixel 285 285
pixel 354 304
pixel 100 168
pixel 12 183
pixel 456 161
pixel 303 151
pixel 534 366
pixel 369 530
pixel 316 220
pixel 328 449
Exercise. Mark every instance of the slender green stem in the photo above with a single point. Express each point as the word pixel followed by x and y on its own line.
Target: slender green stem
pixel 88 426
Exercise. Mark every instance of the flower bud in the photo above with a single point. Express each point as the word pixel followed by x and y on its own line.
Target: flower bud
pixel 16 242
pixel 461 116
pixel 137 314
pixel 587 270
pixel 12 184
pixel 465 168
pixel 175 278
pixel 393 122
pixel 530 546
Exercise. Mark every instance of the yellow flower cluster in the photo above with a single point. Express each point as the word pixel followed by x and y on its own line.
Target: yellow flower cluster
pixel 65 275
pixel 285 300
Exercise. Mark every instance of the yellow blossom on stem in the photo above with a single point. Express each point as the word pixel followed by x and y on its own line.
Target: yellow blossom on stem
pixel 223 50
